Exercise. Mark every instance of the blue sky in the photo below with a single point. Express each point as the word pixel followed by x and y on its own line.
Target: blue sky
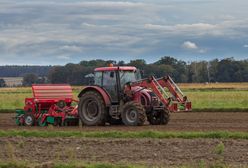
pixel 42 32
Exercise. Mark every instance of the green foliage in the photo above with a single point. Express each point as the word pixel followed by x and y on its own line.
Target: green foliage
pixel 2 83
pixel 219 160
pixel 32 78
pixel 202 164
pixel 222 99
pixel 131 134
pixel 226 70
pixel 75 164
pixel 13 165
pixel 219 149
pixel 18 71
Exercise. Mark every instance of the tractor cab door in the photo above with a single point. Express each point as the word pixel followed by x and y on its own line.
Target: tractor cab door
pixel 109 83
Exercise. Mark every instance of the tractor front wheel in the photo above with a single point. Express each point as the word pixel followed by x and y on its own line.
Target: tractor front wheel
pixel 133 114
pixel 92 109
pixel 160 117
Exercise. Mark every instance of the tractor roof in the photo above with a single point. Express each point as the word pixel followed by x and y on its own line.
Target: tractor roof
pixel 122 68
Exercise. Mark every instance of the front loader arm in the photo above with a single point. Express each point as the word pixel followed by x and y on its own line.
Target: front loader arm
pixel 151 84
pixel 158 85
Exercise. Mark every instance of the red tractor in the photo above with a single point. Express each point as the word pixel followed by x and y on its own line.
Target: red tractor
pixel 120 96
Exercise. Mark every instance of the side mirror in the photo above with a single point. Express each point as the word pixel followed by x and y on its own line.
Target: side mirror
pixel 112 74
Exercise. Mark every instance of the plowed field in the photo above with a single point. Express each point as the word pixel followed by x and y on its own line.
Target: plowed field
pixel 197 121
pixel 160 152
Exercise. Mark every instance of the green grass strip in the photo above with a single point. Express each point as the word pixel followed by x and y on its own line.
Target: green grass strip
pixel 66 165
pixel 122 134
pixel 80 164
pixel 220 110
pixel 7 110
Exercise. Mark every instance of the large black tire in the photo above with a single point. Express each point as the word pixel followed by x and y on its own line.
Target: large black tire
pixel 91 109
pixel 160 117
pixel 133 114
pixel 29 119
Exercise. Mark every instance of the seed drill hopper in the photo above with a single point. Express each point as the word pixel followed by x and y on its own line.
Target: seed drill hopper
pixel 50 104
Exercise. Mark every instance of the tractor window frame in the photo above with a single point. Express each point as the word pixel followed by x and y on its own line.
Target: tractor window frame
pixel 100 76
pixel 127 73
pixel 110 84
pixel 109 76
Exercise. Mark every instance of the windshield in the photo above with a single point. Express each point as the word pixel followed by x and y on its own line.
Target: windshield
pixel 128 76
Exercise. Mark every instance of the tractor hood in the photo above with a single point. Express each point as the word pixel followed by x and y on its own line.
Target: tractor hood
pixel 142 95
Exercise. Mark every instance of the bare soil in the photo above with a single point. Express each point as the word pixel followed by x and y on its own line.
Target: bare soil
pixel 193 121
pixel 160 152
pixel 164 152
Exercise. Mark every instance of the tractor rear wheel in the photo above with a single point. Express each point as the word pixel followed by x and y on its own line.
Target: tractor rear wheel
pixel 29 119
pixel 91 109
pixel 160 117
pixel 133 114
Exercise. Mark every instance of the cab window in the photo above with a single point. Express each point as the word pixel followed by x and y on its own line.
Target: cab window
pixel 109 78
pixel 109 83
pixel 98 78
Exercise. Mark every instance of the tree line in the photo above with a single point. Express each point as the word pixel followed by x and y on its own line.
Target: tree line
pixel 225 70
pixel 21 71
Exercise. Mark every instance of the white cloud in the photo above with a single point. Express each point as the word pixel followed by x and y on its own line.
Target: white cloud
pixel 189 45
pixel 202 51
pixel 108 4
pixel 63 57
pixel 71 48
pixel 182 27
pixel 45 30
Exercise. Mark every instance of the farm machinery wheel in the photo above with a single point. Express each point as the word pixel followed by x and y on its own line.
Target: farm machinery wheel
pixel 92 109
pixel 133 114
pixel 160 117
pixel 29 119
pixel 40 123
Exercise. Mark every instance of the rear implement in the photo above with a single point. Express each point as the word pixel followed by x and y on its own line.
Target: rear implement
pixel 50 104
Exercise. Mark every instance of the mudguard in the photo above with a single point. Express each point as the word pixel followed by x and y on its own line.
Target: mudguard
pixel 98 89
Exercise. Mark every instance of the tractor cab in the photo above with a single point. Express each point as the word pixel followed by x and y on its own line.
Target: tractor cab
pixel 113 79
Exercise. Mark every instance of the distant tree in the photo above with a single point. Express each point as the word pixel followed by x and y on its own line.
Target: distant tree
pixel 2 83
pixel 138 63
pixel 121 63
pixel 41 80
pixel 29 79
pixel 20 71
pixel 167 60
pixel 244 70
pixel 57 74
pixel 173 67
pixel 226 70
pixel 213 69
pixel 97 63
